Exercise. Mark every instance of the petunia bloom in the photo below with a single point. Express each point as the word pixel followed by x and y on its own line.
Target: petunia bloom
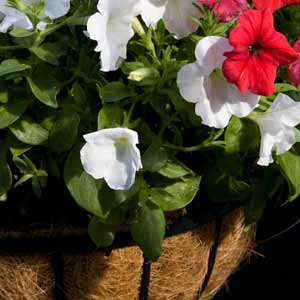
pixel 202 83
pixel 226 10
pixel 277 128
pixel 112 154
pixel 111 28
pixel 53 9
pixel 273 4
pixel 257 52
pixel 294 68
pixel 176 14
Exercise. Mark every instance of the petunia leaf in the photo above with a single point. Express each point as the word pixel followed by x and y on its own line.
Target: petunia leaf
pixel 110 116
pixel 241 135
pixel 289 164
pixel 29 132
pixel 12 111
pixel 44 86
pixel 149 229
pixel 64 131
pixel 154 158
pixel 114 91
pixel 100 234
pixel 177 195
pixel 9 66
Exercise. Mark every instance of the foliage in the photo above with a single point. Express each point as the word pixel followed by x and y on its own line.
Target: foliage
pixel 52 92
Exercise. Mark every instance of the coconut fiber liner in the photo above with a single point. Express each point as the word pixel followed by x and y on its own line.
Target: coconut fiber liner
pixel 195 264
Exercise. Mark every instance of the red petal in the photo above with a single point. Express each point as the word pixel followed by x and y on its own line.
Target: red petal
pixel 250 72
pixel 273 4
pixel 294 68
pixel 226 10
pixel 247 30
pixel 294 73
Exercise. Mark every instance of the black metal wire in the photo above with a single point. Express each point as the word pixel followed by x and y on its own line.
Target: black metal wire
pixel 212 258
pixel 145 280
pixel 57 267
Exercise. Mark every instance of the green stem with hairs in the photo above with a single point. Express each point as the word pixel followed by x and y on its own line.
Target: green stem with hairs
pixel 201 147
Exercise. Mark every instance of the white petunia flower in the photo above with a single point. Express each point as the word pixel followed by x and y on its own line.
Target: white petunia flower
pixel 112 154
pixel 12 17
pixel 277 128
pixel 203 83
pixel 177 15
pixel 111 28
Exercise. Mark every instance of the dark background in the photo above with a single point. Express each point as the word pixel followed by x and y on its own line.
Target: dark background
pixel 276 275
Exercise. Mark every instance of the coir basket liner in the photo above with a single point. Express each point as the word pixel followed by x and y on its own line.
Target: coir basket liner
pixel 194 265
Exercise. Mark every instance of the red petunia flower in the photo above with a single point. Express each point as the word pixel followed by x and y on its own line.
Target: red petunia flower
pixel 226 10
pixel 257 52
pixel 294 68
pixel 273 4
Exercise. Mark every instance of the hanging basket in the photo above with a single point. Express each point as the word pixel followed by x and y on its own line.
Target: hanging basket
pixel 195 263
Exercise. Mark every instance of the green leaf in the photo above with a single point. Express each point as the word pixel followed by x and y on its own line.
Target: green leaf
pixel 16 147
pixel 241 135
pixel 12 111
pixel 45 54
pixel 49 52
pixel 284 87
pixel 64 131
pixel 255 207
pixel 115 91
pixel 12 66
pixel 110 116
pixel 3 96
pixel 29 132
pixel 149 230
pixel 100 234
pixel 5 176
pixel 93 195
pixel 154 158
pixel 82 186
pixel 44 86
pixel 289 164
pixel 174 169
pixel 20 32
pixel 78 94
pixel 177 195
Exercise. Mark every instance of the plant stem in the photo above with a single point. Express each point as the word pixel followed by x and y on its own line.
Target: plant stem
pixel 71 21
pixel 129 114
pixel 15 47
pixel 196 148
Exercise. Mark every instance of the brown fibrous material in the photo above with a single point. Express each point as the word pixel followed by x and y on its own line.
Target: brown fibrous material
pixel 25 277
pixel 177 275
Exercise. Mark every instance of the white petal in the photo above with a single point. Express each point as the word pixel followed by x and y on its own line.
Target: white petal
pixel 209 53
pixel 266 146
pixel 177 17
pixel 96 28
pixel 121 175
pixel 12 17
pixel 102 137
pixel 97 160
pixel 277 127
pixel 286 110
pixel 111 28
pixel 152 12
pixel 190 83
pixel 112 154
pixel 56 8
pixel 212 108
pixel 240 104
